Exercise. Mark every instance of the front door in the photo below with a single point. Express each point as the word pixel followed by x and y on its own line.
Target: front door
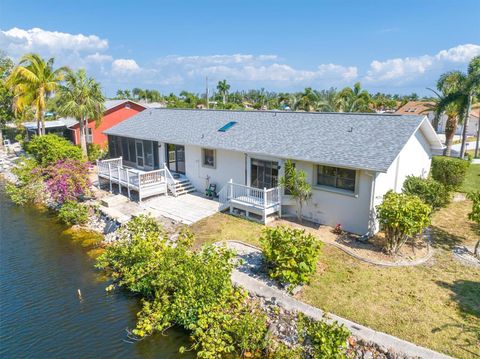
pixel 139 148
pixel 176 158
pixel 263 174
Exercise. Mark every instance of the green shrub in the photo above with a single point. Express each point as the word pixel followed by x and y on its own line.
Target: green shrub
pixel 291 254
pixel 475 214
pixel 51 148
pixel 179 286
pixel 449 171
pixel 429 190
pixel 29 187
pixel 402 216
pixel 72 212
pixel 326 340
pixel 95 152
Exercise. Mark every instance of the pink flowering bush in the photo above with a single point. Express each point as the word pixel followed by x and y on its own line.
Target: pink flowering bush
pixel 67 180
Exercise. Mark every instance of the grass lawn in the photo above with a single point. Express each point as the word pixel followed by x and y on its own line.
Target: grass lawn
pixel 436 305
pixel 472 180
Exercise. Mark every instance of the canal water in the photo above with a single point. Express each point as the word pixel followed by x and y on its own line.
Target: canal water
pixel 41 316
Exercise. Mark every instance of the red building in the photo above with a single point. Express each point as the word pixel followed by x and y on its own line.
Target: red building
pixel 116 111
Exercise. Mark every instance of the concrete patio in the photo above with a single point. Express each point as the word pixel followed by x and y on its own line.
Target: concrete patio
pixel 186 209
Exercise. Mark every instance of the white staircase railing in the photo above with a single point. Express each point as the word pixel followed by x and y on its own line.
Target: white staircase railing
pixel 171 184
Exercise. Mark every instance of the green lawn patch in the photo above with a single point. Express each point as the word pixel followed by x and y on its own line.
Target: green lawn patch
pixel 472 179
pixel 436 305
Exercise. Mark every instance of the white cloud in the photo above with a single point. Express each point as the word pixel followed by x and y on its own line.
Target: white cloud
pixel 403 70
pixel 125 66
pixel 241 68
pixel 18 41
pixel 98 58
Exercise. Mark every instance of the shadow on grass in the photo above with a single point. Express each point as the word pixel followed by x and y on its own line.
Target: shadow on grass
pixel 444 240
pixel 467 294
pixel 468 334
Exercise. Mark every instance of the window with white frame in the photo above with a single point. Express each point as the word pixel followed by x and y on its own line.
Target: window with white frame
pixel 336 177
pixel 89 135
pixel 208 157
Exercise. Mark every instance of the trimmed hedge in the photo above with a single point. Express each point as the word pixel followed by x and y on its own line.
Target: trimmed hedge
pixel 449 171
pixel 429 190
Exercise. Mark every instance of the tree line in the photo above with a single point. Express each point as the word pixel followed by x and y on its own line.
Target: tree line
pixel 348 99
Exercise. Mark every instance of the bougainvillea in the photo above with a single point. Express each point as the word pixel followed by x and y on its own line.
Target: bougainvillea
pixel 67 180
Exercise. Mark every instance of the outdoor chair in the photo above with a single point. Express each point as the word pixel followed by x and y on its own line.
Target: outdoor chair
pixel 211 191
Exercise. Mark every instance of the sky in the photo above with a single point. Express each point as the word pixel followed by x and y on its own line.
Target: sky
pixel 389 46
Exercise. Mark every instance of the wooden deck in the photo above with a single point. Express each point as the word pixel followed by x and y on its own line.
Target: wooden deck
pixel 146 184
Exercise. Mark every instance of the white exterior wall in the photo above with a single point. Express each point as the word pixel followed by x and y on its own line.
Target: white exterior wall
pixel 228 165
pixel 414 160
pixel 331 206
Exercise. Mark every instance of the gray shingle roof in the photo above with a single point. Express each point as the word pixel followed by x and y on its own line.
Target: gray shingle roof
pixel 365 141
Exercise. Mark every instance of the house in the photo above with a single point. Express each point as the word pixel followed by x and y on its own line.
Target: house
pixel 350 159
pixel 59 127
pixel 116 111
pixel 423 108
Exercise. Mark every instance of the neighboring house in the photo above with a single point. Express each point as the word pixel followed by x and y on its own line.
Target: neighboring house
pixel 350 159
pixel 116 111
pixel 422 108
pixel 59 127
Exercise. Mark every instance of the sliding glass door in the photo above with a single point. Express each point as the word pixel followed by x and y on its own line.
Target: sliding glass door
pixel 263 174
pixel 175 158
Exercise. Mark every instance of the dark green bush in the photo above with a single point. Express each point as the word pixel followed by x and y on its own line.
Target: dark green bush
pixel 449 171
pixel 72 212
pixel 291 254
pixel 50 148
pixel 429 190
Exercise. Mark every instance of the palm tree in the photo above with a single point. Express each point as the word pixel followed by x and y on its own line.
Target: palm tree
pixel 354 100
pixel 33 81
pixel 448 83
pixel 136 93
pixel 308 100
pixel 467 91
pixel 120 95
pixel 81 97
pixel 223 88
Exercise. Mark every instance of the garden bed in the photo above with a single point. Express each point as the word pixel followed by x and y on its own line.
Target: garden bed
pixel 370 251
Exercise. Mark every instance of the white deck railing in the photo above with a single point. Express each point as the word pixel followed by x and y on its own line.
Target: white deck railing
pixel 256 198
pixel 113 170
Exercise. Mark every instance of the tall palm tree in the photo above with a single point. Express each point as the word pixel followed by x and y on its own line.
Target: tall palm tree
pixel 223 87
pixel 448 83
pixel 81 97
pixel 467 92
pixel 33 81
pixel 354 100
